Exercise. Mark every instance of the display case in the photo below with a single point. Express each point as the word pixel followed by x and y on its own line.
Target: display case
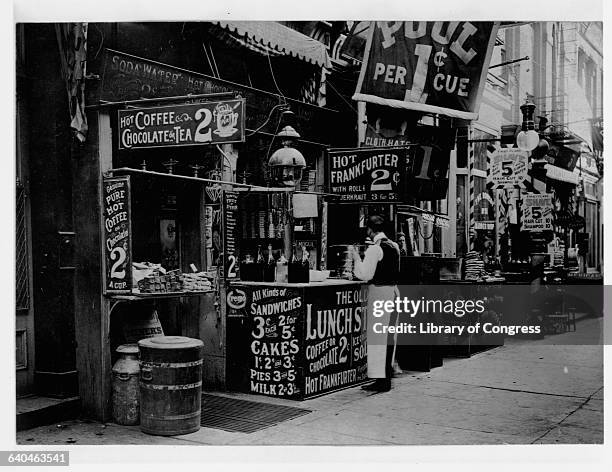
pixel 153 256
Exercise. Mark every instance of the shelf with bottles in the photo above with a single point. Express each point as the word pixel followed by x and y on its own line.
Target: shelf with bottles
pixel 271 265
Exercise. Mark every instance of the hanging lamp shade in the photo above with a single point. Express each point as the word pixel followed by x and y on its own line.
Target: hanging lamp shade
pixel 286 164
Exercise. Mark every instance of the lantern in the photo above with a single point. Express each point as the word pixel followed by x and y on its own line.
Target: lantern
pixel 287 163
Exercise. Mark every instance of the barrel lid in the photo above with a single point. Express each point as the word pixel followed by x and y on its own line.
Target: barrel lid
pixel 170 342
pixel 127 349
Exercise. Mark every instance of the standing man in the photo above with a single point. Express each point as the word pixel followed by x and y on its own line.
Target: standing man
pixel 380 267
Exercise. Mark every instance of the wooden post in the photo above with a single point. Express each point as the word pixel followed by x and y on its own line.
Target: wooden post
pixel 91 309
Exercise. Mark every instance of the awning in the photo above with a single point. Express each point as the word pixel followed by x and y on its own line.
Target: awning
pixel 269 37
pixel 438 219
pixel 562 175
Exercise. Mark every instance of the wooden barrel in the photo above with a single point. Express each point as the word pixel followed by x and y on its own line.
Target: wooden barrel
pixel 170 385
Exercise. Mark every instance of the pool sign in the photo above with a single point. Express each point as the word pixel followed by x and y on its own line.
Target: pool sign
pixel 427 66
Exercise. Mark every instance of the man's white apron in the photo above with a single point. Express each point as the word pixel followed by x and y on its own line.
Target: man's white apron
pixel 377 342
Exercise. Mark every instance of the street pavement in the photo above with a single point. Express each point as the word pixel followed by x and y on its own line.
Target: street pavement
pixel 525 392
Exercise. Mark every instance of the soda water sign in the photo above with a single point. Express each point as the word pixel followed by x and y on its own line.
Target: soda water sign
pixel 182 125
pixel 366 174
pixel 508 168
pixel 537 212
pixel 117 235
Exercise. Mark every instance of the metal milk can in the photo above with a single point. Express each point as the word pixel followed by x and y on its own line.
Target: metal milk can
pixel 126 391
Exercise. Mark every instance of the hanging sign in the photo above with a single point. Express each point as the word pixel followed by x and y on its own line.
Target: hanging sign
pixel 432 67
pixel 182 125
pixel 537 212
pixel 117 235
pixel 428 147
pixel 507 168
pixel 440 222
pixel 484 225
pixel 367 174
pixel 229 215
pixel 127 77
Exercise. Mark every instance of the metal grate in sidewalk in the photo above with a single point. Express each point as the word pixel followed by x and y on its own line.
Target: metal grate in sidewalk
pixel 244 416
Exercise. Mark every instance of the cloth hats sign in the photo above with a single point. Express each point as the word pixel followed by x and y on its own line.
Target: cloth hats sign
pixel 432 67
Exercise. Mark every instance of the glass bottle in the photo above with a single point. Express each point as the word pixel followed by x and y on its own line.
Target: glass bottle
pixel 270 267
pixel 305 265
pixel 246 268
pixel 259 265
pixel 282 269
pixel 295 268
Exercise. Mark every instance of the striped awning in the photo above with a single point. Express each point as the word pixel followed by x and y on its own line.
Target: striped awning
pixel 562 175
pixel 272 38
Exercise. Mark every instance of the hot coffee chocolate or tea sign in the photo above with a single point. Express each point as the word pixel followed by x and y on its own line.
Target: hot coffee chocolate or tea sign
pixel 182 125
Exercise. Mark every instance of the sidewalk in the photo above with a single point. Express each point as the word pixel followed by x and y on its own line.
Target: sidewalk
pixel 526 392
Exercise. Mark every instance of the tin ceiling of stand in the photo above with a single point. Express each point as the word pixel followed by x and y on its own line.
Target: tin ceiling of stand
pixel 268 37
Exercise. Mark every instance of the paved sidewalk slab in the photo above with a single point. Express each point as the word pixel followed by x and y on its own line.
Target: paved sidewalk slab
pixel 520 393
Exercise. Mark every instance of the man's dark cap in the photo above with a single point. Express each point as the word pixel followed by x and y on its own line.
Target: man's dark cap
pixel 376 223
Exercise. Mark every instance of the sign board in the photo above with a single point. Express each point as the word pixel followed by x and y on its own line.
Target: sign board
pixel 381 139
pixel 182 125
pixel 440 222
pixel 117 234
pixel 366 175
pixel 508 168
pixel 428 148
pixel 229 214
pixel 431 67
pixel 270 353
pixel 484 225
pixel 335 348
pixel 128 77
pixel 297 342
pixel 537 212
pixel 426 178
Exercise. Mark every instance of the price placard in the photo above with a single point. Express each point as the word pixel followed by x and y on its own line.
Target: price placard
pixel 335 348
pixel 116 219
pixel 229 213
pixel 275 341
pixel 537 212
pixel 366 175
pixel 182 125
pixel 508 168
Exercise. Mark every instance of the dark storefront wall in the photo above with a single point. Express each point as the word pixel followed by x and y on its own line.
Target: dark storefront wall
pixel 48 161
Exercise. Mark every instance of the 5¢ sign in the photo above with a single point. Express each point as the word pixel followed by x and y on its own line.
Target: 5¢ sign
pixel 507 168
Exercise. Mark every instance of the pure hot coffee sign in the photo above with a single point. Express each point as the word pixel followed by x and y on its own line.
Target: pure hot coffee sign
pixel 432 67
pixel 117 235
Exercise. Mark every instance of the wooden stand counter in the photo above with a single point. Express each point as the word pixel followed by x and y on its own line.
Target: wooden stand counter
pixel 296 340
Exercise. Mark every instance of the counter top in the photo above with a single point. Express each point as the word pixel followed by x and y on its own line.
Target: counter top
pixel 325 283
